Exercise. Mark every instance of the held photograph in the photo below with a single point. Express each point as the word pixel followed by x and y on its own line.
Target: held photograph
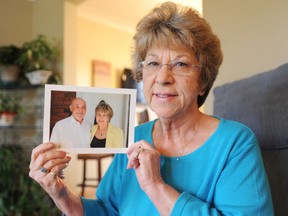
pixel 87 120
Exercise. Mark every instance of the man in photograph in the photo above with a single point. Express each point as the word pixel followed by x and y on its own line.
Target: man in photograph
pixel 73 131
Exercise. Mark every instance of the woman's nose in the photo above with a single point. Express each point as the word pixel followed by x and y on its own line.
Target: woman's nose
pixel 164 75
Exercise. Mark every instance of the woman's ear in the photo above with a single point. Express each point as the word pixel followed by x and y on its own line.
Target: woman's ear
pixel 202 90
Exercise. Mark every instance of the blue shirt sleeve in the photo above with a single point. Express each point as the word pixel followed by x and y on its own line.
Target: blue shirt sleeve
pixel 93 206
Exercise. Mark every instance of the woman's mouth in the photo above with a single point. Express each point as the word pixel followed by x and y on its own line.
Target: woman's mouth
pixel 164 96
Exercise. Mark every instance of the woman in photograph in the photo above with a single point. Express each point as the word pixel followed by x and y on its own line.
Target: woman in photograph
pixel 103 134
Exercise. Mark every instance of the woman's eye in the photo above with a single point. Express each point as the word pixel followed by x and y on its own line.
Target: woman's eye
pixel 180 64
pixel 153 64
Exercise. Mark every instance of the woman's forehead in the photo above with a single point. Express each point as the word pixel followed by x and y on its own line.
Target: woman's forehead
pixel 102 111
pixel 175 51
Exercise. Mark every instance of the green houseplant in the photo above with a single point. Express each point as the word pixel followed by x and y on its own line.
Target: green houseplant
pixel 37 59
pixel 9 65
pixel 19 194
pixel 9 103
pixel 9 55
pixel 10 106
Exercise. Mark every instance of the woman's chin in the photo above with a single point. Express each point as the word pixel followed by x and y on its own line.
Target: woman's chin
pixel 164 113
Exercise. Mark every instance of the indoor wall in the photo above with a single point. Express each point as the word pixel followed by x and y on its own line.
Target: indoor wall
pixel 253 36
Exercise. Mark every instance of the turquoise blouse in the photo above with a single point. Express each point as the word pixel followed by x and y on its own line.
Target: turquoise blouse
pixel 224 176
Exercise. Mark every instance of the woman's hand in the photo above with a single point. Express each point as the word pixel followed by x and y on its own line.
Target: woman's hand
pixel 46 168
pixel 146 162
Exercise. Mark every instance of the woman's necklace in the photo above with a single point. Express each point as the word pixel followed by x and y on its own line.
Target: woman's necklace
pixel 102 132
pixel 172 167
pixel 183 152
pixel 175 163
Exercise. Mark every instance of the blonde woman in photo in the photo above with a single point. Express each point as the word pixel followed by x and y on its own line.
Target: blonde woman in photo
pixel 103 134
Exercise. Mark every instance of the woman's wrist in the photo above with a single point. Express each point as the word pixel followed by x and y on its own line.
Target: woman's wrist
pixel 68 202
pixel 163 196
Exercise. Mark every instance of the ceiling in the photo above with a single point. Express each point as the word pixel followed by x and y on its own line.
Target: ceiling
pixel 122 14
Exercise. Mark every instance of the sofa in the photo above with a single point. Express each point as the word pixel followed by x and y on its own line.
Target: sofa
pixel 261 103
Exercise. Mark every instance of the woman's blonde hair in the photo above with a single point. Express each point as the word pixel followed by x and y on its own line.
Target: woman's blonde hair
pixel 104 107
pixel 172 25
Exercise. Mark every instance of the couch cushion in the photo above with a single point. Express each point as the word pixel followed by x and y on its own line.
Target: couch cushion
pixel 261 103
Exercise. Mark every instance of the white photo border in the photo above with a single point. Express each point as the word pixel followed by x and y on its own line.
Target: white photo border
pixel 47 112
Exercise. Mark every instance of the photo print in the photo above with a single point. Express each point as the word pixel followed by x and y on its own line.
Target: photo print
pixel 89 120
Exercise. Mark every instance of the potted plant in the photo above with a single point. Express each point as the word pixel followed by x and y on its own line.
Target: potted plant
pixel 9 107
pixel 37 59
pixel 9 67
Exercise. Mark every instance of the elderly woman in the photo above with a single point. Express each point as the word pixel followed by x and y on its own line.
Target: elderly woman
pixel 184 162
pixel 103 134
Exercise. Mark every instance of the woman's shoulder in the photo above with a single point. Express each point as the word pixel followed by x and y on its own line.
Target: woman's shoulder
pixel 234 130
pixel 114 127
pixel 233 125
pixel 218 126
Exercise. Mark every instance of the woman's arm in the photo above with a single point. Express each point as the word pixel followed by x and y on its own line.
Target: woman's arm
pixel 242 187
pixel 146 162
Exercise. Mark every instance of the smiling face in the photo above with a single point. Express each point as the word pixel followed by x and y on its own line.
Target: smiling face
pixel 168 94
pixel 103 118
pixel 78 109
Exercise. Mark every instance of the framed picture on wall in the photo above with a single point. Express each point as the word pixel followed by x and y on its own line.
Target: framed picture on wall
pixel 101 74
pixel 88 119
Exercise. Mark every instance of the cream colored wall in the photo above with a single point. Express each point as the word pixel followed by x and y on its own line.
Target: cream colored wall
pixel 15 22
pixel 48 19
pixel 99 42
pixel 70 44
pixel 253 35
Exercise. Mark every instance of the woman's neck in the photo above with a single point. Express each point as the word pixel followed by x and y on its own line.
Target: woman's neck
pixel 177 138
pixel 180 124
pixel 102 127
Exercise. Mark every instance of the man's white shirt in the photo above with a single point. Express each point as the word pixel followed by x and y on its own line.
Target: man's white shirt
pixel 69 133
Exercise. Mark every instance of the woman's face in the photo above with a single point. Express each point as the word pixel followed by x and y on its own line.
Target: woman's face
pixel 102 118
pixel 171 92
